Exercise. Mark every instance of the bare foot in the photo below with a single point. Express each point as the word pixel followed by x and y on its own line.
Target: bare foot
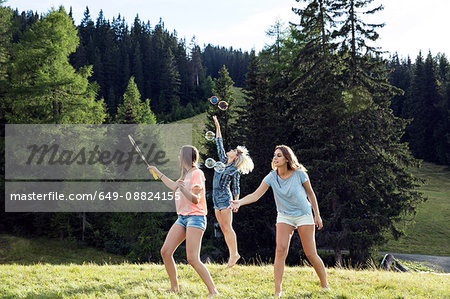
pixel 171 290
pixel 213 294
pixel 232 260
pixel 277 295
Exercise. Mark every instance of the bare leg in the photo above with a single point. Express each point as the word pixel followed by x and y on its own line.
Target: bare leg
pixel 284 234
pixel 176 235
pixel 307 233
pixel 193 242
pixel 225 218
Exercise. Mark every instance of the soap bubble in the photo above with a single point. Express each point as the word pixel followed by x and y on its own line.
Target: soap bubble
pixel 210 135
pixel 219 167
pixel 223 105
pixel 210 163
pixel 214 100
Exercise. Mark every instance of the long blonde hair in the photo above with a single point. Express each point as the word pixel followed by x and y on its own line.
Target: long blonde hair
pixel 243 161
pixel 288 153
pixel 188 158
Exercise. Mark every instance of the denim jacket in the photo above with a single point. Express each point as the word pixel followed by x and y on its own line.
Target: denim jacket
pixel 222 181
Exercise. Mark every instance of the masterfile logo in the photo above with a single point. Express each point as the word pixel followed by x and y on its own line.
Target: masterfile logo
pixel 91 168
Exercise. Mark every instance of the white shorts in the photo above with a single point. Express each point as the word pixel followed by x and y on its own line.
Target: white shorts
pixel 296 221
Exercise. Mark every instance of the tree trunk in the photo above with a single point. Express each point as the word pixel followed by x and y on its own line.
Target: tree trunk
pixel 338 257
pixel 83 225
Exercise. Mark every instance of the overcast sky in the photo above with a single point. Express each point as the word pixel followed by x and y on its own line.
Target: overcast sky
pixel 411 25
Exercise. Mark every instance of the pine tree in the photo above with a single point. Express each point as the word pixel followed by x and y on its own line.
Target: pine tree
pixel 223 90
pixel 400 76
pixel 421 108
pixel 258 130
pixel 5 56
pixel 442 131
pixel 44 87
pixel 318 20
pixel 133 110
pixel 5 47
pixel 347 136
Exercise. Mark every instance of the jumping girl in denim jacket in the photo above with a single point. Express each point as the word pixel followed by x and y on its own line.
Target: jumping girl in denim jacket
pixel 226 188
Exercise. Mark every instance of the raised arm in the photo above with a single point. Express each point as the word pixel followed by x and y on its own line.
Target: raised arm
pixel 251 198
pixel 216 122
pixel 219 142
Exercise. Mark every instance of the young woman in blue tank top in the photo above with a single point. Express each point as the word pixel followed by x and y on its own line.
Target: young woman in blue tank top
pixel 295 200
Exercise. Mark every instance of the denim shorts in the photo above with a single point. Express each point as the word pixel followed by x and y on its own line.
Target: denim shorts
pixel 296 221
pixel 197 221
pixel 221 199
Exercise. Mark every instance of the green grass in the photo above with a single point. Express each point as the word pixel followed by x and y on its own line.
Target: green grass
pixel 429 232
pixel 198 129
pixel 146 280
pixel 42 250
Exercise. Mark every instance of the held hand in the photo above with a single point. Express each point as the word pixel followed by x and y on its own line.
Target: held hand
pixel 318 222
pixel 196 189
pixel 234 206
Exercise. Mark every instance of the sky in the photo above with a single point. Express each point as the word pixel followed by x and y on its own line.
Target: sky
pixel 410 25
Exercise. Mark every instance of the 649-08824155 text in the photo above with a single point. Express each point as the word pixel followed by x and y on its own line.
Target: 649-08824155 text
pixel 54 196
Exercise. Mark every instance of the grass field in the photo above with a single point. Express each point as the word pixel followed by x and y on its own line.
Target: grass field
pixel 43 268
pixel 145 281
pixel 430 232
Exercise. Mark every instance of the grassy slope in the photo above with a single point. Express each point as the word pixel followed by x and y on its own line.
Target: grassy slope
pixel 198 129
pixel 430 231
pixel 131 281
pixel 41 250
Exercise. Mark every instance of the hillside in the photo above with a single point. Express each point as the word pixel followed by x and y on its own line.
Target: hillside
pixel 16 250
pixel 429 233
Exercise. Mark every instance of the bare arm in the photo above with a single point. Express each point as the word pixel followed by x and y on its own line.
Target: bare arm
pixel 193 195
pixel 216 122
pixel 251 198
pixel 168 182
pixel 312 198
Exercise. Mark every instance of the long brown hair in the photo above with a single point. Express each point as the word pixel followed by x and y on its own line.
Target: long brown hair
pixel 188 159
pixel 288 153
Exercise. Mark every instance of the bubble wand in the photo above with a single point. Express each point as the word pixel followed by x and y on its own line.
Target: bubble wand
pixel 138 150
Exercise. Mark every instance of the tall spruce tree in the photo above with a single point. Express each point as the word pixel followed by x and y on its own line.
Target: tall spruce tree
pixel 400 76
pixel 44 87
pixel 133 110
pixel 348 137
pixel 425 131
pixel 257 130
pixel 223 90
pixel 5 50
